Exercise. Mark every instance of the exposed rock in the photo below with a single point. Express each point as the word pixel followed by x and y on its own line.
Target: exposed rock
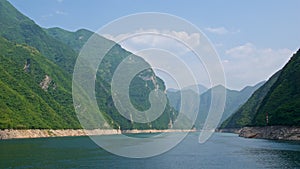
pixel 46 82
pixel 271 132
pixel 229 130
pixel 27 66
pixel 146 78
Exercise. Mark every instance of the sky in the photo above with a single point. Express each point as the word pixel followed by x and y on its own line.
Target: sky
pixel 254 39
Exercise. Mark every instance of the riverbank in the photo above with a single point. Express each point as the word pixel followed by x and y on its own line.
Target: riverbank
pixel 37 133
pixel 266 132
pixel 271 132
pixel 230 130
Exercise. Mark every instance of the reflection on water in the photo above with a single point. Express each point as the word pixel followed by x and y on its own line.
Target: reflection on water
pixel 221 151
pixel 273 155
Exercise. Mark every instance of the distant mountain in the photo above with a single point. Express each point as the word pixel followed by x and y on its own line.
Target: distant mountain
pixel 37 66
pixel 234 99
pixel 172 90
pixel 201 89
pixel 174 94
pixel 174 98
pixel 279 98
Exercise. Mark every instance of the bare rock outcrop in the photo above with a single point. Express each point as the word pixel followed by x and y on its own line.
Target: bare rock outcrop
pixel 271 132
pixel 46 83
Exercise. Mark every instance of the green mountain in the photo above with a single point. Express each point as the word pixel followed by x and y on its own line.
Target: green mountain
pixel 282 103
pixel 139 89
pixel 34 92
pixel 244 115
pixel 75 40
pixel 234 99
pixel 16 27
pixel 40 62
pixel 279 98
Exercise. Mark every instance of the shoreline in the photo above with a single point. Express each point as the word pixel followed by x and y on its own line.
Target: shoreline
pixel 272 132
pixel 291 133
pixel 229 130
pixel 47 133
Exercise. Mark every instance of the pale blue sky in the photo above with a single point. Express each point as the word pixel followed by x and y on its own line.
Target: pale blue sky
pixel 253 38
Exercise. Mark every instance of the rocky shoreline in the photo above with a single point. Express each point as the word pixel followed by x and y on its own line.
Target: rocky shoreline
pixel 271 132
pixel 230 130
pixel 42 133
pixel 267 132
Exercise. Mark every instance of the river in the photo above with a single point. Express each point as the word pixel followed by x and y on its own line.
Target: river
pixel 222 150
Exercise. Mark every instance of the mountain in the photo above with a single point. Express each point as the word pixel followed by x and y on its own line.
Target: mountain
pixel 245 114
pixel 16 27
pixel 35 93
pixel 140 87
pixel 174 98
pixel 201 89
pixel 75 40
pixel 37 66
pixel 174 94
pixel 279 98
pixel 234 99
pixel 282 102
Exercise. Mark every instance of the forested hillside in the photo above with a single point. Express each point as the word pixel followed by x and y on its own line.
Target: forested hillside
pixel 278 100
pixel 36 77
pixel 34 93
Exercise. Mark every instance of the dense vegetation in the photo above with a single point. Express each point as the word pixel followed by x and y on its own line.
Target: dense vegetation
pixel 139 88
pixel 75 40
pixel 279 98
pixel 24 104
pixel 16 27
pixel 244 115
pixel 282 103
pixel 36 70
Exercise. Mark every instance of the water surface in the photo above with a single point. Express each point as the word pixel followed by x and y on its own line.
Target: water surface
pixel 223 150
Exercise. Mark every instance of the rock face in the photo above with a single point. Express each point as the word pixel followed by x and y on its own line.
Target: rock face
pixel 27 66
pixel 229 130
pixel 271 132
pixel 46 82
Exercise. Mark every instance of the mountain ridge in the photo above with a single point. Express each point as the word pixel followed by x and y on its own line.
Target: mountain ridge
pixel 16 27
pixel 234 99
pixel 275 103
pixel 46 65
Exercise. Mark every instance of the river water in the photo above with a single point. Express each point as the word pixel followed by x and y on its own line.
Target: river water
pixel 222 150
